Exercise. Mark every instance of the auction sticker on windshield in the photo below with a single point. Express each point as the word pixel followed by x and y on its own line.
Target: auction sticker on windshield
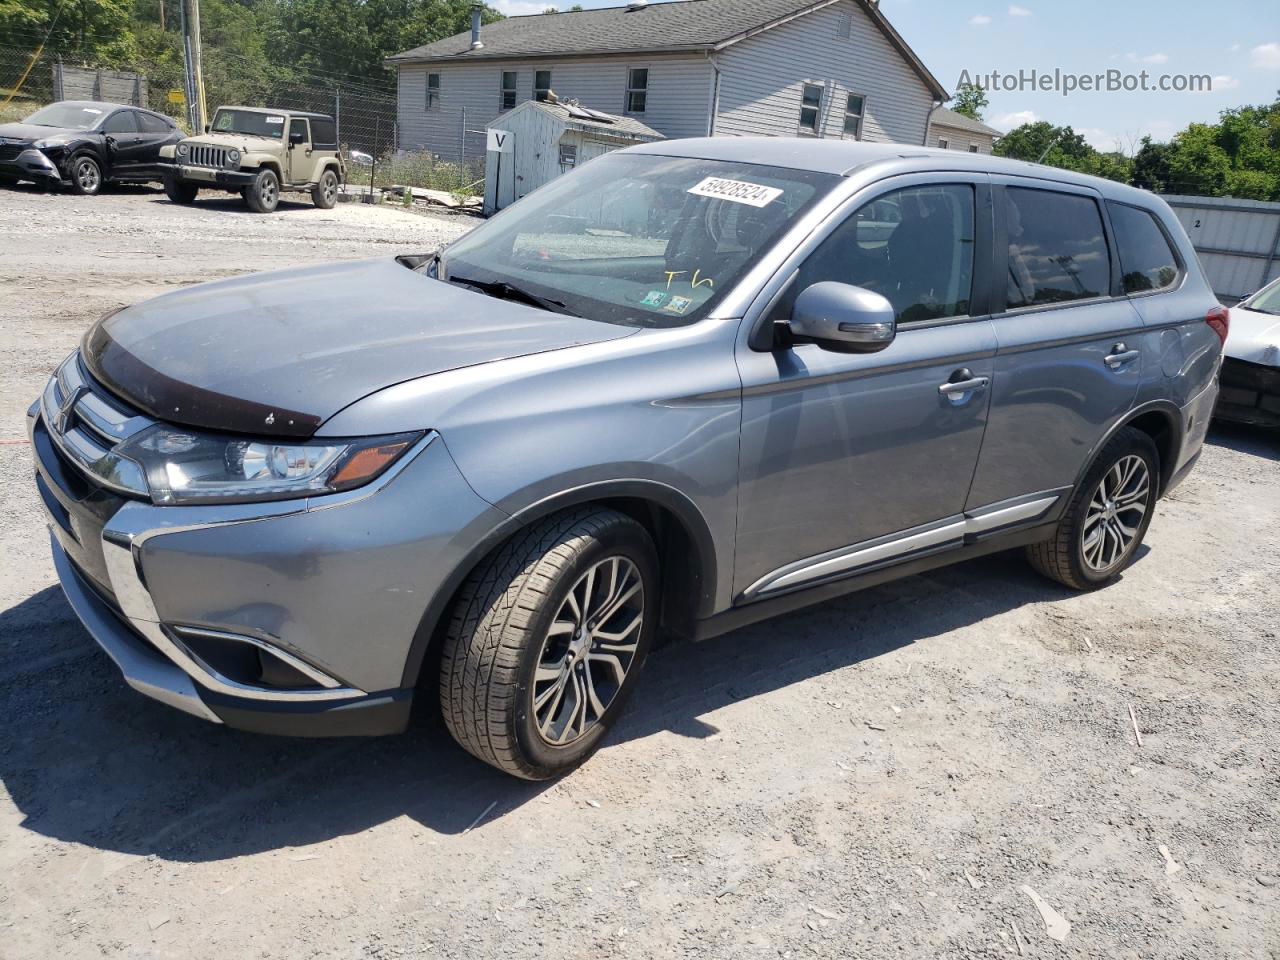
pixel 275 120
pixel 737 191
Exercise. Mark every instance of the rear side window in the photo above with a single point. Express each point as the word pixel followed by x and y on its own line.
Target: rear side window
pixel 1057 248
pixel 324 134
pixel 1146 258
pixel 913 246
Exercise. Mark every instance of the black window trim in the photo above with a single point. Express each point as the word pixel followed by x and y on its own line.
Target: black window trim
pixel 862 117
pixel 1000 289
pixel 432 101
pixel 761 336
pixel 626 104
pixel 551 79
pixel 1168 238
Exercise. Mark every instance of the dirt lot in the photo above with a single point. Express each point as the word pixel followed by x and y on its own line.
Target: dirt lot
pixel 883 776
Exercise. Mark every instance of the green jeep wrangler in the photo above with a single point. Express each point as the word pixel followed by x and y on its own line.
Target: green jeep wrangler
pixel 257 152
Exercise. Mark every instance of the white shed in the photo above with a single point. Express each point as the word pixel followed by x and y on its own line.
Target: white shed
pixel 541 140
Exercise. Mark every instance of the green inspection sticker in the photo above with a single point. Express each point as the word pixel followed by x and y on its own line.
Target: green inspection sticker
pixel 654 298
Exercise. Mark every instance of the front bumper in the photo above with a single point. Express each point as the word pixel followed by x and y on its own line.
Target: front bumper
pixel 1250 393
pixel 207 175
pixel 326 593
pixel 31 164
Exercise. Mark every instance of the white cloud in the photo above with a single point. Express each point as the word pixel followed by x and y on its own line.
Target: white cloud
pixel 1223 82
pixel 1265 57
pixel 1149 58
pixel 981 20
pixel 520 8
pixel 1234 48
pixel 1007 121
pixel 1017 11
pixel 1099 139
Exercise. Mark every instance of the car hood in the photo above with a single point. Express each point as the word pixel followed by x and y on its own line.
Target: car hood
pixel 237 141
pixel 1254 337
pixel 277 354
pixel 32 131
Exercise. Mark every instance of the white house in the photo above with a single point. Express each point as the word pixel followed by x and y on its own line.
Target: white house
pixel 818 68
pixel 954 131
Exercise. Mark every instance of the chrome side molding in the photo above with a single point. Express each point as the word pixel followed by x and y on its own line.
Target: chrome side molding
pixel 949 534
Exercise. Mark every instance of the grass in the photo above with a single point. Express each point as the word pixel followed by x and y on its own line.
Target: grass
pixel 425 171
pixel 18 110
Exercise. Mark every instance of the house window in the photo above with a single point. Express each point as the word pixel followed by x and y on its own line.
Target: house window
pixel 810 109
pixel 509 79
pixel 944 143
pixel 433 90
pixel 853 110
pixel 973 148
pixel 541 85
pixel 637 90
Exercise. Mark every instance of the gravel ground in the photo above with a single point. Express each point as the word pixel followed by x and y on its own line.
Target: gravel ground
pixel 889 775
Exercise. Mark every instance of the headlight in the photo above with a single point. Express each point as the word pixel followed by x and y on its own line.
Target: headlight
pixel 233 157
pixel 184 466
pixel 51 142
pixel 181 150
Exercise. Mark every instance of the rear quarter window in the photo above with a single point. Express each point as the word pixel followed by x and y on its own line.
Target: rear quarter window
pixel 324 134
pixel 1057 248
pixel 1146 258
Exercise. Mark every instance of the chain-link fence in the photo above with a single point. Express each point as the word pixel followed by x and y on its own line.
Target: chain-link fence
pixel 30 78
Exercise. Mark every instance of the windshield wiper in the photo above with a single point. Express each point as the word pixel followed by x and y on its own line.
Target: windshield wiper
pixel 503 290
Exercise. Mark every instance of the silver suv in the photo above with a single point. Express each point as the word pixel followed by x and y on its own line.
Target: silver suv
pixel 689 386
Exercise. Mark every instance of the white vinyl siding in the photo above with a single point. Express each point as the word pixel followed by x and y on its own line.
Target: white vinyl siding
pixel 959 139
pixel 762 79
pixel 676 98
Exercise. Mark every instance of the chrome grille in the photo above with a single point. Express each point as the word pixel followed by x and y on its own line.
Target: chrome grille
pixel 203 155
pixel 88 427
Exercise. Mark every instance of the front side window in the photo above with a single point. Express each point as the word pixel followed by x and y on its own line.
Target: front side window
pixel 637 90
pixel 913 246
pixel 121 122
pixel 1266 300
pixel 638 239
pixel 509 81
pixel 853 110
pixel 541 85
pixel 433 91
pixel 810 109
pixel 298 131
pixel 1146 258
pixel 1057 248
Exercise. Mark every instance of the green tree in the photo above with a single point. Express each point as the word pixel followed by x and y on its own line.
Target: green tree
pixel 970 100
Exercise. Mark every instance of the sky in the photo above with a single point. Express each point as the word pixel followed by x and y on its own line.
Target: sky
pixel 1235 42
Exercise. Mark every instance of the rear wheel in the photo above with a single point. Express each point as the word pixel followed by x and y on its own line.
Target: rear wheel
pixel 325 193
pixel 264 193
pixel 86 176
pixel 546 640
pixel 1107 518
pixel 179 191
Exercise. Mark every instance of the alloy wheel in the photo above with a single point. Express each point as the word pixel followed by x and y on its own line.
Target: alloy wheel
pixel 588 650
pixel 329 186
pixel 1115 513
pixel 88 175
pixel 268 193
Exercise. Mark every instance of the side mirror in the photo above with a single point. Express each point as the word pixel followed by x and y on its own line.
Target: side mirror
pixel 296 138
pixel 844 318
pixel 207 128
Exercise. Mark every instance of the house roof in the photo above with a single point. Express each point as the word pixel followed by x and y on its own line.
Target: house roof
pixel 609 124
pixel 680 26
pixel 942 117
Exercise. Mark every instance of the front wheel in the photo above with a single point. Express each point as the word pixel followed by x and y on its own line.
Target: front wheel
pixel 325 193
pixel 264 193
pixel 1107 518
pixel 86 176
pixel 546 640
pixel 179 191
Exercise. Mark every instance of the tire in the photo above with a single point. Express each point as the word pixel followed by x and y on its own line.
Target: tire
pixel 86 176
pixel 8 181
pixel 510 644
pixel 325 193
pixel 1103 526
pixel 263 194
pixel 179 191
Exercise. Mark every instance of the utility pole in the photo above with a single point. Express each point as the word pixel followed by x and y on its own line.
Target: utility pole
pixel 195 77
pixel 162 16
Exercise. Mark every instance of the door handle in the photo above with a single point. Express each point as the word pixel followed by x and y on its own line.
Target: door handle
pixel 963 381
pixel 1120 355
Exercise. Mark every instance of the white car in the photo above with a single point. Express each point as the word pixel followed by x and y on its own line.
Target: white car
pixel 1251 363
